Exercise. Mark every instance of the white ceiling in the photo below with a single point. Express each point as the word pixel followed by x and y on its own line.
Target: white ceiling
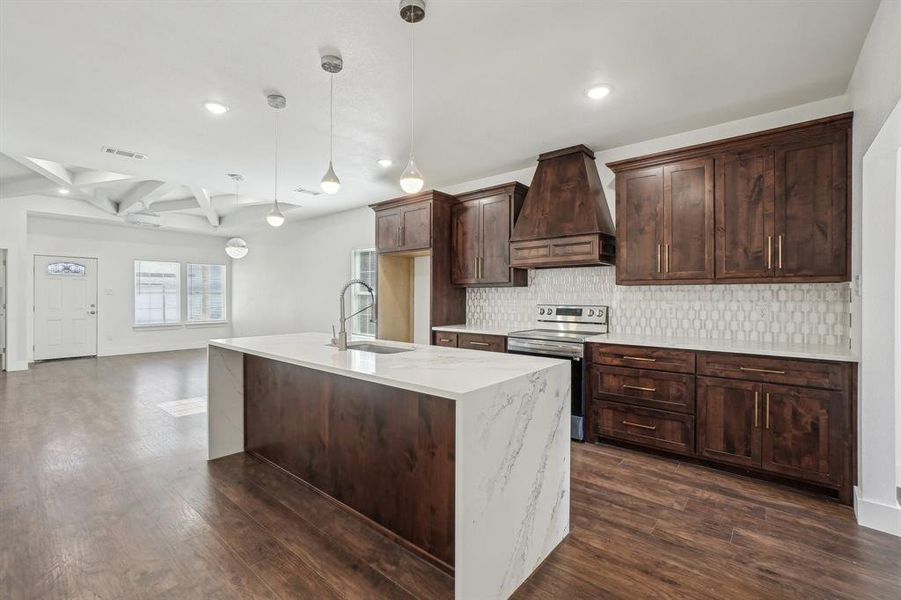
pixel 496 83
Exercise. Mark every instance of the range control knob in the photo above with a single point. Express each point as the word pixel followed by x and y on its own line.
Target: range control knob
pixel 590 312
pixel 550 311
pixel 540 311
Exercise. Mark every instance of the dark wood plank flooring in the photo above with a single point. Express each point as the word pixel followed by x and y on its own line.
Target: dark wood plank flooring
pixel 104 495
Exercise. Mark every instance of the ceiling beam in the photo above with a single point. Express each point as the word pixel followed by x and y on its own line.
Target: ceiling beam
pixel 99 199
pixel 173 205
pixel 203 200
pixel 143 195
pixel 53 171
pixel 26 186
pixel 98 178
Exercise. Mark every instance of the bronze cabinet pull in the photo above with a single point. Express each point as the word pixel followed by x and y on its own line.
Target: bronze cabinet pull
pixel 666 258
pixel 767 410
pixel 631 424
pixel 658 258
pixel 475 266
pixel 638 387
pixel 479 344
pixel 756 409
pixel 769 252
pixel 444 339
pixel 753 370
pixel 641 358
pixel 779 245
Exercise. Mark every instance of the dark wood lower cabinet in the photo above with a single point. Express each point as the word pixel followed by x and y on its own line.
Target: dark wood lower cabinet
pixel 386 453
pixel 789 418
pixel 470 341
pixel 729 421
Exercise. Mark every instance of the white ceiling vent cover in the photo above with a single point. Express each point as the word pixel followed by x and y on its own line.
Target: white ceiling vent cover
pixel 144 219
pixel 303 190
pixel 125 153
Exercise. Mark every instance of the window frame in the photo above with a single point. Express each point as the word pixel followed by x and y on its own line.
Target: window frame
pixel 360 291
pixel 178 296
pixel 225 303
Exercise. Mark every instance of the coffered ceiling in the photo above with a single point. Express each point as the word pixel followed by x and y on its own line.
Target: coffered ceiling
pixel 496 83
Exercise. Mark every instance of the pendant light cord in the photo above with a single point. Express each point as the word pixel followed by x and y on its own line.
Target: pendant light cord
pixel 412 63
pixel 331 118
pixel 275 190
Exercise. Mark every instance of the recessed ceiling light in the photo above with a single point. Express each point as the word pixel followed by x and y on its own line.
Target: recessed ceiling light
pixel 216 108
pixel 63 191
pixel 385 162
pixel 599 91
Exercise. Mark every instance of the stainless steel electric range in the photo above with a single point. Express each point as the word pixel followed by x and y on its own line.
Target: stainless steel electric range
pixel 561 332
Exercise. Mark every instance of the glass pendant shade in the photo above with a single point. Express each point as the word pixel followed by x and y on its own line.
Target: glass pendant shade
pixel 236 248
pixel 275 218
pixel 411 180
pixel 330 183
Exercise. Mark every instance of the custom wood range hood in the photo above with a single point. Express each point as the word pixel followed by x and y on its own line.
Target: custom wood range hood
pixel 565 220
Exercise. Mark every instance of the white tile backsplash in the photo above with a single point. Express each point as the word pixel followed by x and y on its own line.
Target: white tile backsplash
pixel 793 313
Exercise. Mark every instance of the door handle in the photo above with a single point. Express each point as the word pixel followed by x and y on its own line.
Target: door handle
pixel 756 410
pixel 769 252
pixel 779 254
pixel 666 258
pixel 658 258
pixel 767 410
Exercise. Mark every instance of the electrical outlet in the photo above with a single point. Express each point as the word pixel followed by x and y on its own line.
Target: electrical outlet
pixel 762 312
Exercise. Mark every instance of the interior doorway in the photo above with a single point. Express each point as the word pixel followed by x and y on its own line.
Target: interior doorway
pixel 65 307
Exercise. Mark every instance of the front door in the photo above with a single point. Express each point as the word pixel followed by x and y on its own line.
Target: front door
pixel 65 307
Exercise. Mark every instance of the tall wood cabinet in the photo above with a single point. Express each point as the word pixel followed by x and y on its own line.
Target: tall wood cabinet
pixel 482 222
pixel 772 206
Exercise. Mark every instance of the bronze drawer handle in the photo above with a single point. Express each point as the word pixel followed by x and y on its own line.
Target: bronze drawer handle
pixel 444 339
pixel 752 370
pixel 641 358
pixel 631 424
pixel 479 343
pixel 638 387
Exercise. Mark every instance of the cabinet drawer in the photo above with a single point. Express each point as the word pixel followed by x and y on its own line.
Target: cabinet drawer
pixel 674 432
pixel 654 389
pixel 657 359
pixel 789 371
pixel 475 341
pixel 444 338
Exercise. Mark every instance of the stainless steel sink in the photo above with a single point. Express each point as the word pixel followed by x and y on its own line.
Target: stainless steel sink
pixel 376 348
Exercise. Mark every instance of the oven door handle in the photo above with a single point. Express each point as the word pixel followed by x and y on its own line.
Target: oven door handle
pixel 571 351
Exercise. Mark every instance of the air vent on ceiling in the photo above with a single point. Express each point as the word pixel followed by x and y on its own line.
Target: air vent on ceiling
pixel 303 190
pixel 125 153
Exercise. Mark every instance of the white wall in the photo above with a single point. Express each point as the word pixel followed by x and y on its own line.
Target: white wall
pixel 875 90
pixel 12 238
pixel 117 247
pixel 290 279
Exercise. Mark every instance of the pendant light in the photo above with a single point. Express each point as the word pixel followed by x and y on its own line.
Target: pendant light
pixel 275 218
pixel 236 247
pixel 411 11
pixel 331 64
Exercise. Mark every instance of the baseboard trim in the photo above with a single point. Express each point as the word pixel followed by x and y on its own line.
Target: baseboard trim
pixel 875 515
pixel 145 349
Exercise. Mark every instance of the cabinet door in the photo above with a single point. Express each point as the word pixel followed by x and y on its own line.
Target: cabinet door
pixel 466 226
pixel 811 215
pixel 688 219
pixel 639 225
pixel 729 420
pixel 387 230
pixel 744 214
pixel 495 239
pixel 416 226
pixel 802 435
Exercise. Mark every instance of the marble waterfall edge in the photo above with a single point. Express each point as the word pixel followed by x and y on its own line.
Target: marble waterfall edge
pixel 512 481
pixel 225 402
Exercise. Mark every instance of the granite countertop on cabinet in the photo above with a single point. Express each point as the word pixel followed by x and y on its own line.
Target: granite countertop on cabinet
pixel 783 350
pixel 466 328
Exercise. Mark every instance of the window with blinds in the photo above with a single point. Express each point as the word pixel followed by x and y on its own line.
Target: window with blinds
pixel 365 264
pixel 206 293
pixel 157 293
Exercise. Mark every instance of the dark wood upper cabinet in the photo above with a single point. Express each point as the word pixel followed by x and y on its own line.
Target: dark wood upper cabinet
pixel 744 214
pixel 387 230
pixel 729 420
pixel 811 208
pixel 770 206
pixel 639 225
pixel 482 223
pixel 802 432
pixel 688 219
pixel 416 226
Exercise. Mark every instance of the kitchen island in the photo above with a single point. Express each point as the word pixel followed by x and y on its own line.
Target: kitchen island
pixel 459 455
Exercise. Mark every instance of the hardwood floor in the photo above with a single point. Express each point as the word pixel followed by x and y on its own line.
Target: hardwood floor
pixel 103 494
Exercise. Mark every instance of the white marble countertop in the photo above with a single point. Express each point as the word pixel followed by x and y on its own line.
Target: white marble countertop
pixel 815 352
pixel 464 328
pixel 439 371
